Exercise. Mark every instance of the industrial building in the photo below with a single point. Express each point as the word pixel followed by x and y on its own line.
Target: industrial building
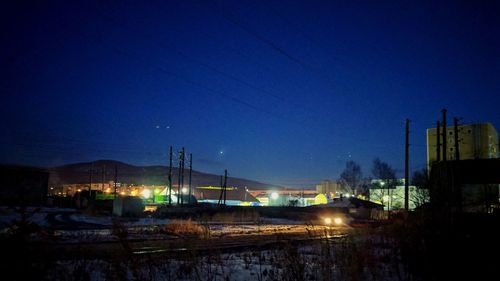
pixel 475 141
pixel 393 198
pixel 234 196
pixel 331 189
pixel 469 186
pixel 290 197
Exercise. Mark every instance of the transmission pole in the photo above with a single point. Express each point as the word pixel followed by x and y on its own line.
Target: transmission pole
pixel 91 171
pixel 170 179
pixel 438 141
pixel 444 135
pixel 116 180
pixel 103 176
pixel 190 175
pixel 179 179
pixel 407 145
pixel 221 191
pixel 182 174
pixel 457 145
pixel 225 186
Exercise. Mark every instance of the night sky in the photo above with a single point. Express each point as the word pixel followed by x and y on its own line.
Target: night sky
pixel 278 91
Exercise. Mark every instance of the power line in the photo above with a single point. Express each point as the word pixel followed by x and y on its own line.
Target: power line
pixel 233 19
pixel 211 90
pixel 182 54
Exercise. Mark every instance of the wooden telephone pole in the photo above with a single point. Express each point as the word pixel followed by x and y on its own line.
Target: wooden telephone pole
pixel 170 179
pixel 444 135
pixel 438 141
pixel 115 182
pixel 223 188
pixel 103 177
pixel 407 146
pixel 179 180
pixel 457 145
pixel 91 172
pixel 190 176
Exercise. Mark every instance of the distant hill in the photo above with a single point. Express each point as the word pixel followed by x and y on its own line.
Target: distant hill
pixel 138 175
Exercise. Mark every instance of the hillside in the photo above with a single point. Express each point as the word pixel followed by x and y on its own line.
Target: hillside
pixel 138 175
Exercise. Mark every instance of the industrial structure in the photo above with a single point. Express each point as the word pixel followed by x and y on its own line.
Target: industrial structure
pixel 475 141
pixel 463 166
pixel 392 196
pixel 330 188
pixel 466 186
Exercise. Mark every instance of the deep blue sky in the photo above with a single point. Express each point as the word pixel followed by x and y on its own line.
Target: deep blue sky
pixel 278 91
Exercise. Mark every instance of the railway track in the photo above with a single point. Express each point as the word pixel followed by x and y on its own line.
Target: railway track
pixel 176 246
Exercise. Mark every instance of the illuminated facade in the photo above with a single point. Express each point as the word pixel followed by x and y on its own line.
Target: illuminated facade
pixel 283 198
pixel 476 141
pixel 330 188
pixel 393 198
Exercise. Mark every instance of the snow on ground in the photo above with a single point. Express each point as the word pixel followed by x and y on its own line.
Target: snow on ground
pixel 308 262
pixel 280 221
pixel 108 220
pixel 35 215
pixel 84 227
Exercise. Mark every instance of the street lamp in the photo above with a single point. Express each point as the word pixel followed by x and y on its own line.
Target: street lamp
pixel 274 195
pixel 146 193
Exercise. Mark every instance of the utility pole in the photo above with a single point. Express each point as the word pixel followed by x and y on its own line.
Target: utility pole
pixel 407 145
pixel 170 179
pixel 115 181
pixel 103 176
pixel 457 145
pixel 223 182
pixel 91 171
pixel 181 176
pixel 190 175
pixel 444 135
pixel 225 186
pixel 438 142
pixel 221 190
pixel 183 157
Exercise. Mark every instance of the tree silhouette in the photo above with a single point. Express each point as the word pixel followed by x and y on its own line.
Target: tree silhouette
pixel 352 177
pixel 385 177
pixel 420 179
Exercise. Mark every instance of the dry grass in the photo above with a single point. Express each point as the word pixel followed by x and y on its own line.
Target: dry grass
pixel 185 228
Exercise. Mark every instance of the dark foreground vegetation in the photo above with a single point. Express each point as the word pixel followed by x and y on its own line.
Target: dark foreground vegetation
pixel 420 246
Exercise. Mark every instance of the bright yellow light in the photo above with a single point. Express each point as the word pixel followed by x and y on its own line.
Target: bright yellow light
pixel 146 193
pixel 157 190
pixel 133 193
pixel 108 190
pixel 337 221
pixel 150 208
pixel 122 193
pixel 328 220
